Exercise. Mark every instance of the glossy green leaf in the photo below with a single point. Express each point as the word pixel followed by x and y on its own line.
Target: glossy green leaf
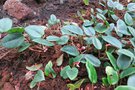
pixel 132 40
pixel 131 81
pixel 118 5
pixel 63 40
pixel 71 50
pixel 88 40
pixel 89 31
pixel 93 60
pixel 101 16
pixel 122 87
pixel 43 42
pixel 35 31
pixel 49 69
pixel 126 52
pixel 96 42
pixel 127 72
pixel 128 19
pixel 112 60
pixel 131 30
pixel 71 86
pixel 24 46
pixel 131 7
pixel 12 40
pixel 39 76
pixel 86 2
pixel 72 73
pixel 76 85
pixel 123 61
pixel 100 28
pixel 34 67
pixel 16 30
pixel 92 74
pixel 113 41
pixel 87 23
pixel 63 73
pixel 73 29
pixel 105 81
pixel 5 24
pixel 112 75
pixel 122 27
pixel 52 38
pixel 110 4
pixel 53 20
pixel 33 84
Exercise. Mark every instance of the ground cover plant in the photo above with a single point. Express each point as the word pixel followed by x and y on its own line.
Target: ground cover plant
pixel 105 40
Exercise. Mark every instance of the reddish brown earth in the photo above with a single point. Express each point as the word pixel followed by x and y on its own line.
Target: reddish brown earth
pixel 13 64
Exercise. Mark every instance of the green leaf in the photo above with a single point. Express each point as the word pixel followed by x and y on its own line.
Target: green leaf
pixel 112 75
pixel 39 76
pixel 93 60
pixel 113 41
pixel 86 2
pixel 127 72
pixel 101 16
pixel 63 73
pixel 122 87
pixel 49 70
pixel 71 86
pixel 34 67
pixel 114 17
pixel 43 42
pixel 24 46
pixel 96 42
pixel 12 40
pixel 132 40
pixel 126 52
pixel 131 30
pixel 128 19
pixel 105 81
pixel 52 38
pixel 35 31
pixel 112 60
pixel 71 50
pixel 72 73
pixel 118 5
pixel 59 61
pixel 123 61
pixel 110 4
pixel 131 80
pixel 87 23
pixel 16 30
pixel 76 85
pixel 33 84
pixel 89 31
pixel 92 74
pixel 63 40
pixel 53 20
pixel 76 59
pixel 88 40
pixel 131 7
pixel 73 29
pixel 122 27
pixel 79 83
pixel 100 28
pixel 5 24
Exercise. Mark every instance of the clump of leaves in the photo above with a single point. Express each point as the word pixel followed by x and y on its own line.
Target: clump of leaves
pixel 40 75
pixel 105 38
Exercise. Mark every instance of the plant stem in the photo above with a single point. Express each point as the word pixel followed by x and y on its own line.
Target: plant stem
pixel 81 40
pixel 38 86
pixel 92 87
